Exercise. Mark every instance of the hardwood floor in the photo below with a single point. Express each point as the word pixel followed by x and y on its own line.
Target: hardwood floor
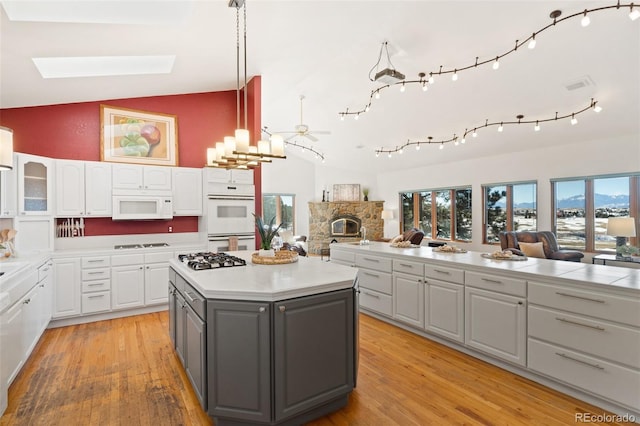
pixel 124 372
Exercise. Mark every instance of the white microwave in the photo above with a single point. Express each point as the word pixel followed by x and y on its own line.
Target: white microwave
pixel 142 206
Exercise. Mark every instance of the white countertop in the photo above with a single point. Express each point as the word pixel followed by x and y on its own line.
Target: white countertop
pixel 15 268
pixel 268 283
pixel 572 272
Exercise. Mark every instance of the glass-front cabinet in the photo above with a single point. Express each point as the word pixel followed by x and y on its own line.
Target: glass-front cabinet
pixel 34 185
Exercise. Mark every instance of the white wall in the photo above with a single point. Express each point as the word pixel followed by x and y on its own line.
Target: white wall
pixel 584 159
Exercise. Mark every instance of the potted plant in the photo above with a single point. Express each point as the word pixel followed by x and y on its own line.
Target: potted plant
pixel 267 232
pixel 365 191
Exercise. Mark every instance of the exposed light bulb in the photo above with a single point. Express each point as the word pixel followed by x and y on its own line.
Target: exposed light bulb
pixel 463 140
pixel 431 79
pixel 389 155
pixel 597 108
pixel 367 108
pixel 341 117
pixel 400 151
pixel 456 142
pixel 634 14
pixel 357 116
pixel 496 64
pixel 536 127
pixel 424 86
pixel 377 95
pixel 500 128
pixel 323 160
pixel 402 88
pixel 442 146
pixel 585 21
pixel 377 153
pixel 474 134
pixel 574 120
pixel 454 77
pixel 418 147
pixel 532 42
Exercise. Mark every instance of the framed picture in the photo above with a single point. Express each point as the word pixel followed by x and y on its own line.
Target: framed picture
pixel 140 137
pixel 346 192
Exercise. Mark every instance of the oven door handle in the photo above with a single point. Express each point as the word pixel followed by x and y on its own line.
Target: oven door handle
pixel 231 197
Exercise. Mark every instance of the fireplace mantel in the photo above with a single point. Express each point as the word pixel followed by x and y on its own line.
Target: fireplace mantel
pixel 322 213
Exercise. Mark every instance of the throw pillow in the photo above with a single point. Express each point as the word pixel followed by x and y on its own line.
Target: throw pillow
pixel 532 249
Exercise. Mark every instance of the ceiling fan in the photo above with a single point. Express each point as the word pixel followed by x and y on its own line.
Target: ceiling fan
pixel 302 129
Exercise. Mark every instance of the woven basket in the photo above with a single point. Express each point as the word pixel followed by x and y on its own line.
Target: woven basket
pixel 281 257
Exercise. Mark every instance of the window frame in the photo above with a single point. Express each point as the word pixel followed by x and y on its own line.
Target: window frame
pixel 279 208
pixel 509 210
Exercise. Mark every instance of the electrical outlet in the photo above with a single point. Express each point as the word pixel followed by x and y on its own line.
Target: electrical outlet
pixel 171 229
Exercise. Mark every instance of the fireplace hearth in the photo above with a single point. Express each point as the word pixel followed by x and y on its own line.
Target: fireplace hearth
pixel 345 226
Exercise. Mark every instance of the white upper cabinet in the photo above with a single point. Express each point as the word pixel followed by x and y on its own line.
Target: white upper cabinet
pixel 216 175
pixel 134 176
pixel 35 184
pixel 187 191
pixel 83 188
pixel 8 200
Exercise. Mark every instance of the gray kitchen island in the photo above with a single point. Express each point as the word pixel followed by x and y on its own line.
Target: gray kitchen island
pixel 266 344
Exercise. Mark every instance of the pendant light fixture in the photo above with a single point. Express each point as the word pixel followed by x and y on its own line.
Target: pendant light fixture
pixel 236 152
pixel 6 148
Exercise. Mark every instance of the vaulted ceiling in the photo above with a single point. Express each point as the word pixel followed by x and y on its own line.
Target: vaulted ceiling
pixel 325 51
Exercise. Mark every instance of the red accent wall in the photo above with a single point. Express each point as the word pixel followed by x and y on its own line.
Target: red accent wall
pixel 72 131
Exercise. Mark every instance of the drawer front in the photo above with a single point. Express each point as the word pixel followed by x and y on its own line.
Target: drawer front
pixel 407 267
pixel 445 274
pixel 96 261
pixel 374 280
pixel 127 259
pixel 96 274
pixel 497 283
pixel 96 302
pixel 158 257
pixel 625 310
pixel 617 383
pixel 96 285
pixel 375 301
pixel 598 338
pixel 373 262
pixel 343 256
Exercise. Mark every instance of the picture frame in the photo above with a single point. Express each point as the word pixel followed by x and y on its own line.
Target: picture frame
pixel 138 137
pixel 346 192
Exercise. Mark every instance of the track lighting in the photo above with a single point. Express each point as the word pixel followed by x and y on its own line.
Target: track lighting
pixel 500 125
pixel 275 147
pixel 585 21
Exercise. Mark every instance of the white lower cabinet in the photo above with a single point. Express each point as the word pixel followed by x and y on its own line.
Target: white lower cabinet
pixel 96 284
pixel 127 281
pixel 444 309
pixel 495 323
pixel 67 300
pixel 376 285
pixel 408 299
pixel 156 276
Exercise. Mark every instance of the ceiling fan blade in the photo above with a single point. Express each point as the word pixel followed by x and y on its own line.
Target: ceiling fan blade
pixel 290 137
pixel 284 132
pixel 321 132
pixel 311 137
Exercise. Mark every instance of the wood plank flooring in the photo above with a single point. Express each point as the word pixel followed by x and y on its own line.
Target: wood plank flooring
pixel 124 372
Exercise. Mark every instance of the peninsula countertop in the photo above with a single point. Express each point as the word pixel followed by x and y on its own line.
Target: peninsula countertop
pixel 268 283
pixel 532 268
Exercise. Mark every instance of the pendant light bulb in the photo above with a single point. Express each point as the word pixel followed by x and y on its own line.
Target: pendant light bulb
pixel 377 154
pixel 418 147
pixel 441 146
pixel 454 77
pixel 532 42
pixel 402 88
pixel 500 128
pixel 400 151
pixel 463 140
pixel 341 117
pixel 357 116
pixel 597 108
pixel 242 140
pixel 474 134
pixel 424 86
pixel 585 21
pixel 431 79
pixel 536 127
pixel 389 155
pixel 377 94
pixel 496 64
pixel 634 14
pixel 574 120
pixel 367 108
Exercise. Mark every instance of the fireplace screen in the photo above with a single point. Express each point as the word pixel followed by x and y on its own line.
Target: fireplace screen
pixel 345 227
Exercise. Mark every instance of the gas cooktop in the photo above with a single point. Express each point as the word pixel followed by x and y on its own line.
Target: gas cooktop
pixel 210 260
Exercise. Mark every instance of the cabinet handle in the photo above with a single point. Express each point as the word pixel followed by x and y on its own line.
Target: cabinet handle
pixel 372 295
pixel 282 308
pixel 41 285
pixel 442 272
pixel 140 267
pixel 96 296
pixel 94 284
pixel 95 273
pixel 147 267
pixel 371 259
pixel 262 309
pixel 406 265
pixel 371 275
pixel 489 280
pixel 27 301
pixel 595 327
pixel 559 293
pixel 599 367
pixel 95 260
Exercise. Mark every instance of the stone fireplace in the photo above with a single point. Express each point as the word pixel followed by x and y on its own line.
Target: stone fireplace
pixel 328 220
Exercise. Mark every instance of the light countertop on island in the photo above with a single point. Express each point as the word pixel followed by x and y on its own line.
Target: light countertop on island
pixel 268 283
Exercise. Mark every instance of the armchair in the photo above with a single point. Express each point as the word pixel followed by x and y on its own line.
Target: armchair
pixel 511 241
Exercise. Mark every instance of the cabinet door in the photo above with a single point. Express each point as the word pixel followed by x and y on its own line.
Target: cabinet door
pixel 127 287
pixel 98 189
pixel 444 309
pixel 196 355
pixel 156 177
pixel 187 191
pixel 216 175
pixel 35 182
pixel 242 176
pixel 12 341
pixel 172 315
pixel 156 276
pixel 496 324
pixel 127 176
pixel 67 293
pixel 32 304
pixel 69 188
pixel 314 351
pixel 46 283
pixel 408 299
pixel 8 203
pixel 181 320
pixel 239 352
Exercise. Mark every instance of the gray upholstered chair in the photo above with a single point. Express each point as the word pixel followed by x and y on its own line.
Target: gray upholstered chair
pixel 510 241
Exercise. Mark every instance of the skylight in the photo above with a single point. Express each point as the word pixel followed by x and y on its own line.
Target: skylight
pixel 97 66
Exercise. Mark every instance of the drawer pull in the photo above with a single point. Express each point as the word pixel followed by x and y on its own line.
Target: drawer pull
pixel 440 271
pixel 565 356
pixel 95 260
pixel 96 296
pixel 95 273
pixel 489 280
pixel 370 259
pixel 372 295
pixel 595 327
pixel 406 265
pixel 559 293
pixel 95 284
pixel 371 275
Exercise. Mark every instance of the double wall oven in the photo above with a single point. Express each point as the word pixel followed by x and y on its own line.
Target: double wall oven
pixel 230 209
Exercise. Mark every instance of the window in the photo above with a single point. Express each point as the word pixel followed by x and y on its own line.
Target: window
pixel 509 207
pixel 583 207
pixel 280 206
pixel 443 214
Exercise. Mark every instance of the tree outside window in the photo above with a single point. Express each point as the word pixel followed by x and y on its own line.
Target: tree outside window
pixel 280 206
pixel 509 207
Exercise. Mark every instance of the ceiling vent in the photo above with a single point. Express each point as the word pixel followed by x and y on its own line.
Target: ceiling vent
pixel 579 83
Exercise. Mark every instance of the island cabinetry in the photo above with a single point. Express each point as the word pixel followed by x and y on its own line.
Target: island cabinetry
pixel 588 338
pixel 293 357
pixel 343 257
pixel 376 283
pixel 96 284
pixel 495 316
pixel 444 302
pixel 408 292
